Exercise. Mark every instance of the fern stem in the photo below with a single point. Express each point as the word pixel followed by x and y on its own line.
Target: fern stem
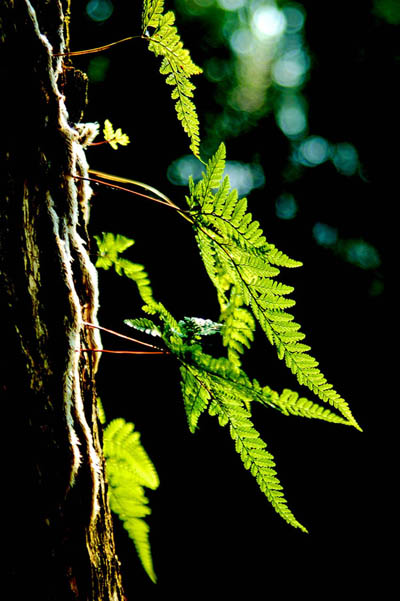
pixel 92 325
pixel 98 181
pixel 126 180
pixel 100 350
pixel 99 48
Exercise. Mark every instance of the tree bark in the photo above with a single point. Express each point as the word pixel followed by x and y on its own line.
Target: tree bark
pixel 60 540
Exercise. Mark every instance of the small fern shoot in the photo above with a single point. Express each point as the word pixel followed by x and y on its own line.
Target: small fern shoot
pixel 129 469
pixel 114 137
pixel 176 65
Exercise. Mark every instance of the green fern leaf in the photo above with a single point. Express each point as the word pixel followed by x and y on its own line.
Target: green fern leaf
pixel 238 329
pixel 100 412
pixel 129 469
pixel 122 443
pixel 195 395
pixel 151 13
pixel 137 273
pixel 114 137
pixel 219 384
pixel 228 388
pixel 143 324
pixel 254 455
pixel 177 66
pixel 290 403
pixel 237 252
pixel 109 247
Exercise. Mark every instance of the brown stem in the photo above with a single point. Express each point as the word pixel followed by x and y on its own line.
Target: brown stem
pixel 92 325
pixel 98 49
pixel 98 181
pixel 99 350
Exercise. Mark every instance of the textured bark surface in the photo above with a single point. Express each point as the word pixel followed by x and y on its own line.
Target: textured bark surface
pixel 60 540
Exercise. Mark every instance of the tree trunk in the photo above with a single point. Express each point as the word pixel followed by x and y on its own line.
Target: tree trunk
pixel 60 541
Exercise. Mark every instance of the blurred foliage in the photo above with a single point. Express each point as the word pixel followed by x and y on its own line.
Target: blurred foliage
pixel 388 10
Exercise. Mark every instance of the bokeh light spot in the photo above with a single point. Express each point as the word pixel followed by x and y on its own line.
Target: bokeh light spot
pixel 291 117
pixel 231 4
pixel 180 170
pixel 286 206
pixel 345 158
pixel 313 151
pixel 99 10
pixel 242 176
pixel 295 18
pixel 242 41
pixel 216 69
pixel 289 70
pixel 97 68
pixel 268 22
pixel 325 235
pixel 361 253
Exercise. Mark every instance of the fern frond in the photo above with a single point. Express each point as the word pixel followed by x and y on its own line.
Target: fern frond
pixel 253 453
pixel 290 403
pixel 137 273
pixel 228 388
pixel 238 329
pixel 109 247
pixel 177 66
pixel 129 469
pixel 151 13
pixel 100 411
pixel 142 324
pixel 114 137
pixel 122 444
pixel 218 384
pixel 237 252
pixel 196 396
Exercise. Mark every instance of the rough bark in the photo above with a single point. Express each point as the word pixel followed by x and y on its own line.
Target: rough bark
pixel 60 540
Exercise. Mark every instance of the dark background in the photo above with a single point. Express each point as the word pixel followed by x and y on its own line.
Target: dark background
pixel 211 528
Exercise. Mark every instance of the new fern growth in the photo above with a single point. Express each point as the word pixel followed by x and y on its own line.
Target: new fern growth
pixel 114 138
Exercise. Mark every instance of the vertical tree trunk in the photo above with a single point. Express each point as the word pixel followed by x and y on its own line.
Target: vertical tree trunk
pixel 60 542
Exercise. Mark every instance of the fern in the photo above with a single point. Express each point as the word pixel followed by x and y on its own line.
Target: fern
pixel 236 255
pixel 110 247
pixel 114 137
pixel 176 65
pixel 129 469
pixel 216 384
pixel 290 403
pixel 239 325
pixel 206 379
pixel 151 13
pixel 219 385
pixel 253 452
